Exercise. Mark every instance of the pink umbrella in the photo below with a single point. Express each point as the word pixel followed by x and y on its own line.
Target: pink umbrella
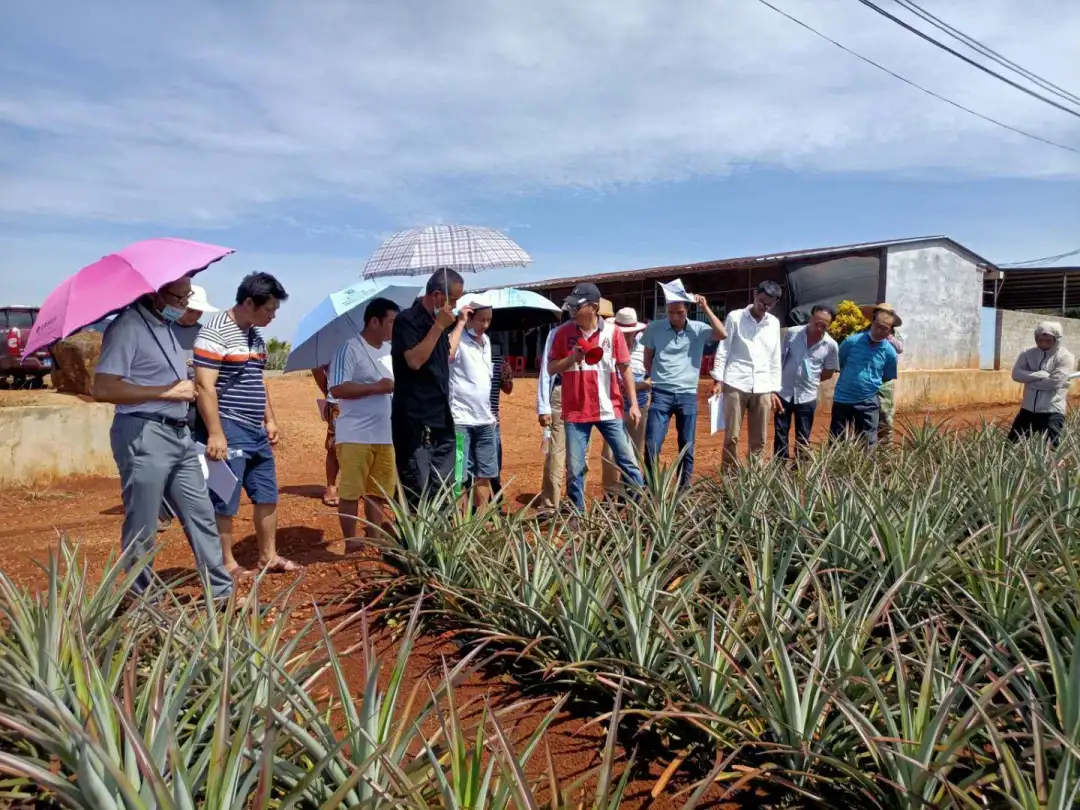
pixel 115 281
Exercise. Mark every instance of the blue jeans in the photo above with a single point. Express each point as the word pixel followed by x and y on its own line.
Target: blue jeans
pixel 684 408
pixel 577 443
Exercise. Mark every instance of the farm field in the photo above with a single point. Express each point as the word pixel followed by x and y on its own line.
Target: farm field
pixel 850 634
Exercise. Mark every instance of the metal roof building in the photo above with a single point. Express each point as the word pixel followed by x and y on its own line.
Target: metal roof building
pixel 936 283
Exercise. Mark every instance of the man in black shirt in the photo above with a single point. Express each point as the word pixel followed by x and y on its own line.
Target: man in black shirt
pixel 422 427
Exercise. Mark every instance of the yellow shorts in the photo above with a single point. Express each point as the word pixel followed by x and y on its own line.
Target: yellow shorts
pixel 366 469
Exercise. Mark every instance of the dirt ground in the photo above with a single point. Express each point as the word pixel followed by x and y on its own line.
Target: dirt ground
pixel 88 511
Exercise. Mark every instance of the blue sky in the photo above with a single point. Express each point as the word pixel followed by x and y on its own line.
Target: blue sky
pixel 601 136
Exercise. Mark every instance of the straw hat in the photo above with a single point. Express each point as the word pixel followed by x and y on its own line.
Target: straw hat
pixel 606 309
pixel 626 320
pixel 872 309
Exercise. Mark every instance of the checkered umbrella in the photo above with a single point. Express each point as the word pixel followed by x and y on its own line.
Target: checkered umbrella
pixel 465 248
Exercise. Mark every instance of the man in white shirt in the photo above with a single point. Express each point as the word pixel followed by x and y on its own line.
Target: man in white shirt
pixel 810 358
pixel 471 370
pixel 361 379
pixel 747 370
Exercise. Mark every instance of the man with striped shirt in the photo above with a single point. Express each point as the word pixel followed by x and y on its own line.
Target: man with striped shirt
pixel 230 356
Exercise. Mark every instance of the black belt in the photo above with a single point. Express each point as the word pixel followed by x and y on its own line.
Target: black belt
pixel 168 421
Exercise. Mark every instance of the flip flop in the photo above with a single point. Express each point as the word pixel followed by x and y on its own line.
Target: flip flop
pixel 331 500
pixel 281 565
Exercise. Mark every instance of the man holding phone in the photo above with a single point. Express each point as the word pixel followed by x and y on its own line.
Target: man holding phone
pixel 591 356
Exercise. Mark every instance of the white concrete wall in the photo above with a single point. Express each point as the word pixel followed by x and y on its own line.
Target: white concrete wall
pixel 39 445
pixel 1016 332
pixel 938 292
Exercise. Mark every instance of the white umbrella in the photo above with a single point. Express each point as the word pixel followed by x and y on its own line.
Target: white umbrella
pixel 337 318
pixel 464 248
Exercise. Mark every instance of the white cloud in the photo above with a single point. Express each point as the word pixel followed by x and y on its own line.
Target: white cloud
pixel 205 113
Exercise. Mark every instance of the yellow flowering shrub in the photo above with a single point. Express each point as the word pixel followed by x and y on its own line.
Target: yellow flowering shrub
pixel 849 320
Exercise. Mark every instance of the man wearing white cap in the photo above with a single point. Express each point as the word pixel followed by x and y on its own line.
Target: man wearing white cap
pixel 186 329
pixel 626 322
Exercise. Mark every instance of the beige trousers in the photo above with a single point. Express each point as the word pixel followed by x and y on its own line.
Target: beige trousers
pixel 610 474
pixel 554 483
pixel 759 410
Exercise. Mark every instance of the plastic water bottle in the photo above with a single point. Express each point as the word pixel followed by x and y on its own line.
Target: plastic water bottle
pixel 545 441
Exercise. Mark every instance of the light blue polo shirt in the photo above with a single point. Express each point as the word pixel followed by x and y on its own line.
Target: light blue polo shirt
pixel 676 363
pixel 864 366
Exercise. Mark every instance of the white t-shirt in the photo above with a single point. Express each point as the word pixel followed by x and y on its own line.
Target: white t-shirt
pixel 365 420
pixel 470 382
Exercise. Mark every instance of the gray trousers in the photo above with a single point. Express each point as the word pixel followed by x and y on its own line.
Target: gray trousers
pixel 157 461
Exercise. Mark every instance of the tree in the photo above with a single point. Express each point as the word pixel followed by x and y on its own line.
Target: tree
pixel 849 320
pixel 277 354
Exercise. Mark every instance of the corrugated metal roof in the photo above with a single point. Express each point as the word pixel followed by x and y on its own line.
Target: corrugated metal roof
pixel 675 270
pixel 1025 288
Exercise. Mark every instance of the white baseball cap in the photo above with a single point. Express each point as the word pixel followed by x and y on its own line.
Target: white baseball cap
pixel 199 301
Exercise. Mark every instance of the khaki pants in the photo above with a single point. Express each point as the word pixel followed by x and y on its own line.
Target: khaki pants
pixel 759 410
pixel 610 473
pixel 555 462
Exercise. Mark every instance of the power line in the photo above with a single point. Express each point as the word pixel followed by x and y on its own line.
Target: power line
pixel 1042 260
pixel 906 81
pixel 987 51
pixel 974 63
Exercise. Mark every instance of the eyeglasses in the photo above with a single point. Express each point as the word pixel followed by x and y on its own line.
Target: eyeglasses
pixel 179 299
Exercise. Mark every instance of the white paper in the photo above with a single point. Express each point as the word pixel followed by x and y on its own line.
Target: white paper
pixel 221 480
pixel 716 413
pixel 675 292
pixel 219 475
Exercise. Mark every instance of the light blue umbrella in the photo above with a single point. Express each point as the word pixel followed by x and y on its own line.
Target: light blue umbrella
pixel 509 298
pixel 339 317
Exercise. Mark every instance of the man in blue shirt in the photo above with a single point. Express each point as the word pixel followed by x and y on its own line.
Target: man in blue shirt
pixel 673 350
pixel 867 360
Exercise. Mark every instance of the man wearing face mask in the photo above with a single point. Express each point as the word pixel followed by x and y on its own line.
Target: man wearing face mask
pixel 1044 371
pixel 867 359
pixel 142 370
pixel 421 422
pixel 186 329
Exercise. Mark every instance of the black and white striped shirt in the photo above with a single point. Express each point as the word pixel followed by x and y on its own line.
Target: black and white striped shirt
pixel 239 358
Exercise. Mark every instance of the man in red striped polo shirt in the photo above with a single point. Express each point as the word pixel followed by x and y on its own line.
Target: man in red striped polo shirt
pixel 590 355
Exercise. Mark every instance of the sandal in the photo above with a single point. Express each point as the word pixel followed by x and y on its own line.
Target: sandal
pixel 330 497
pixel 281 565
pixel 238 572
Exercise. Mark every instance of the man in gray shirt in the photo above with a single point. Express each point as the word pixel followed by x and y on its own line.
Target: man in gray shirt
pixel 143 371
pixel 809 357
